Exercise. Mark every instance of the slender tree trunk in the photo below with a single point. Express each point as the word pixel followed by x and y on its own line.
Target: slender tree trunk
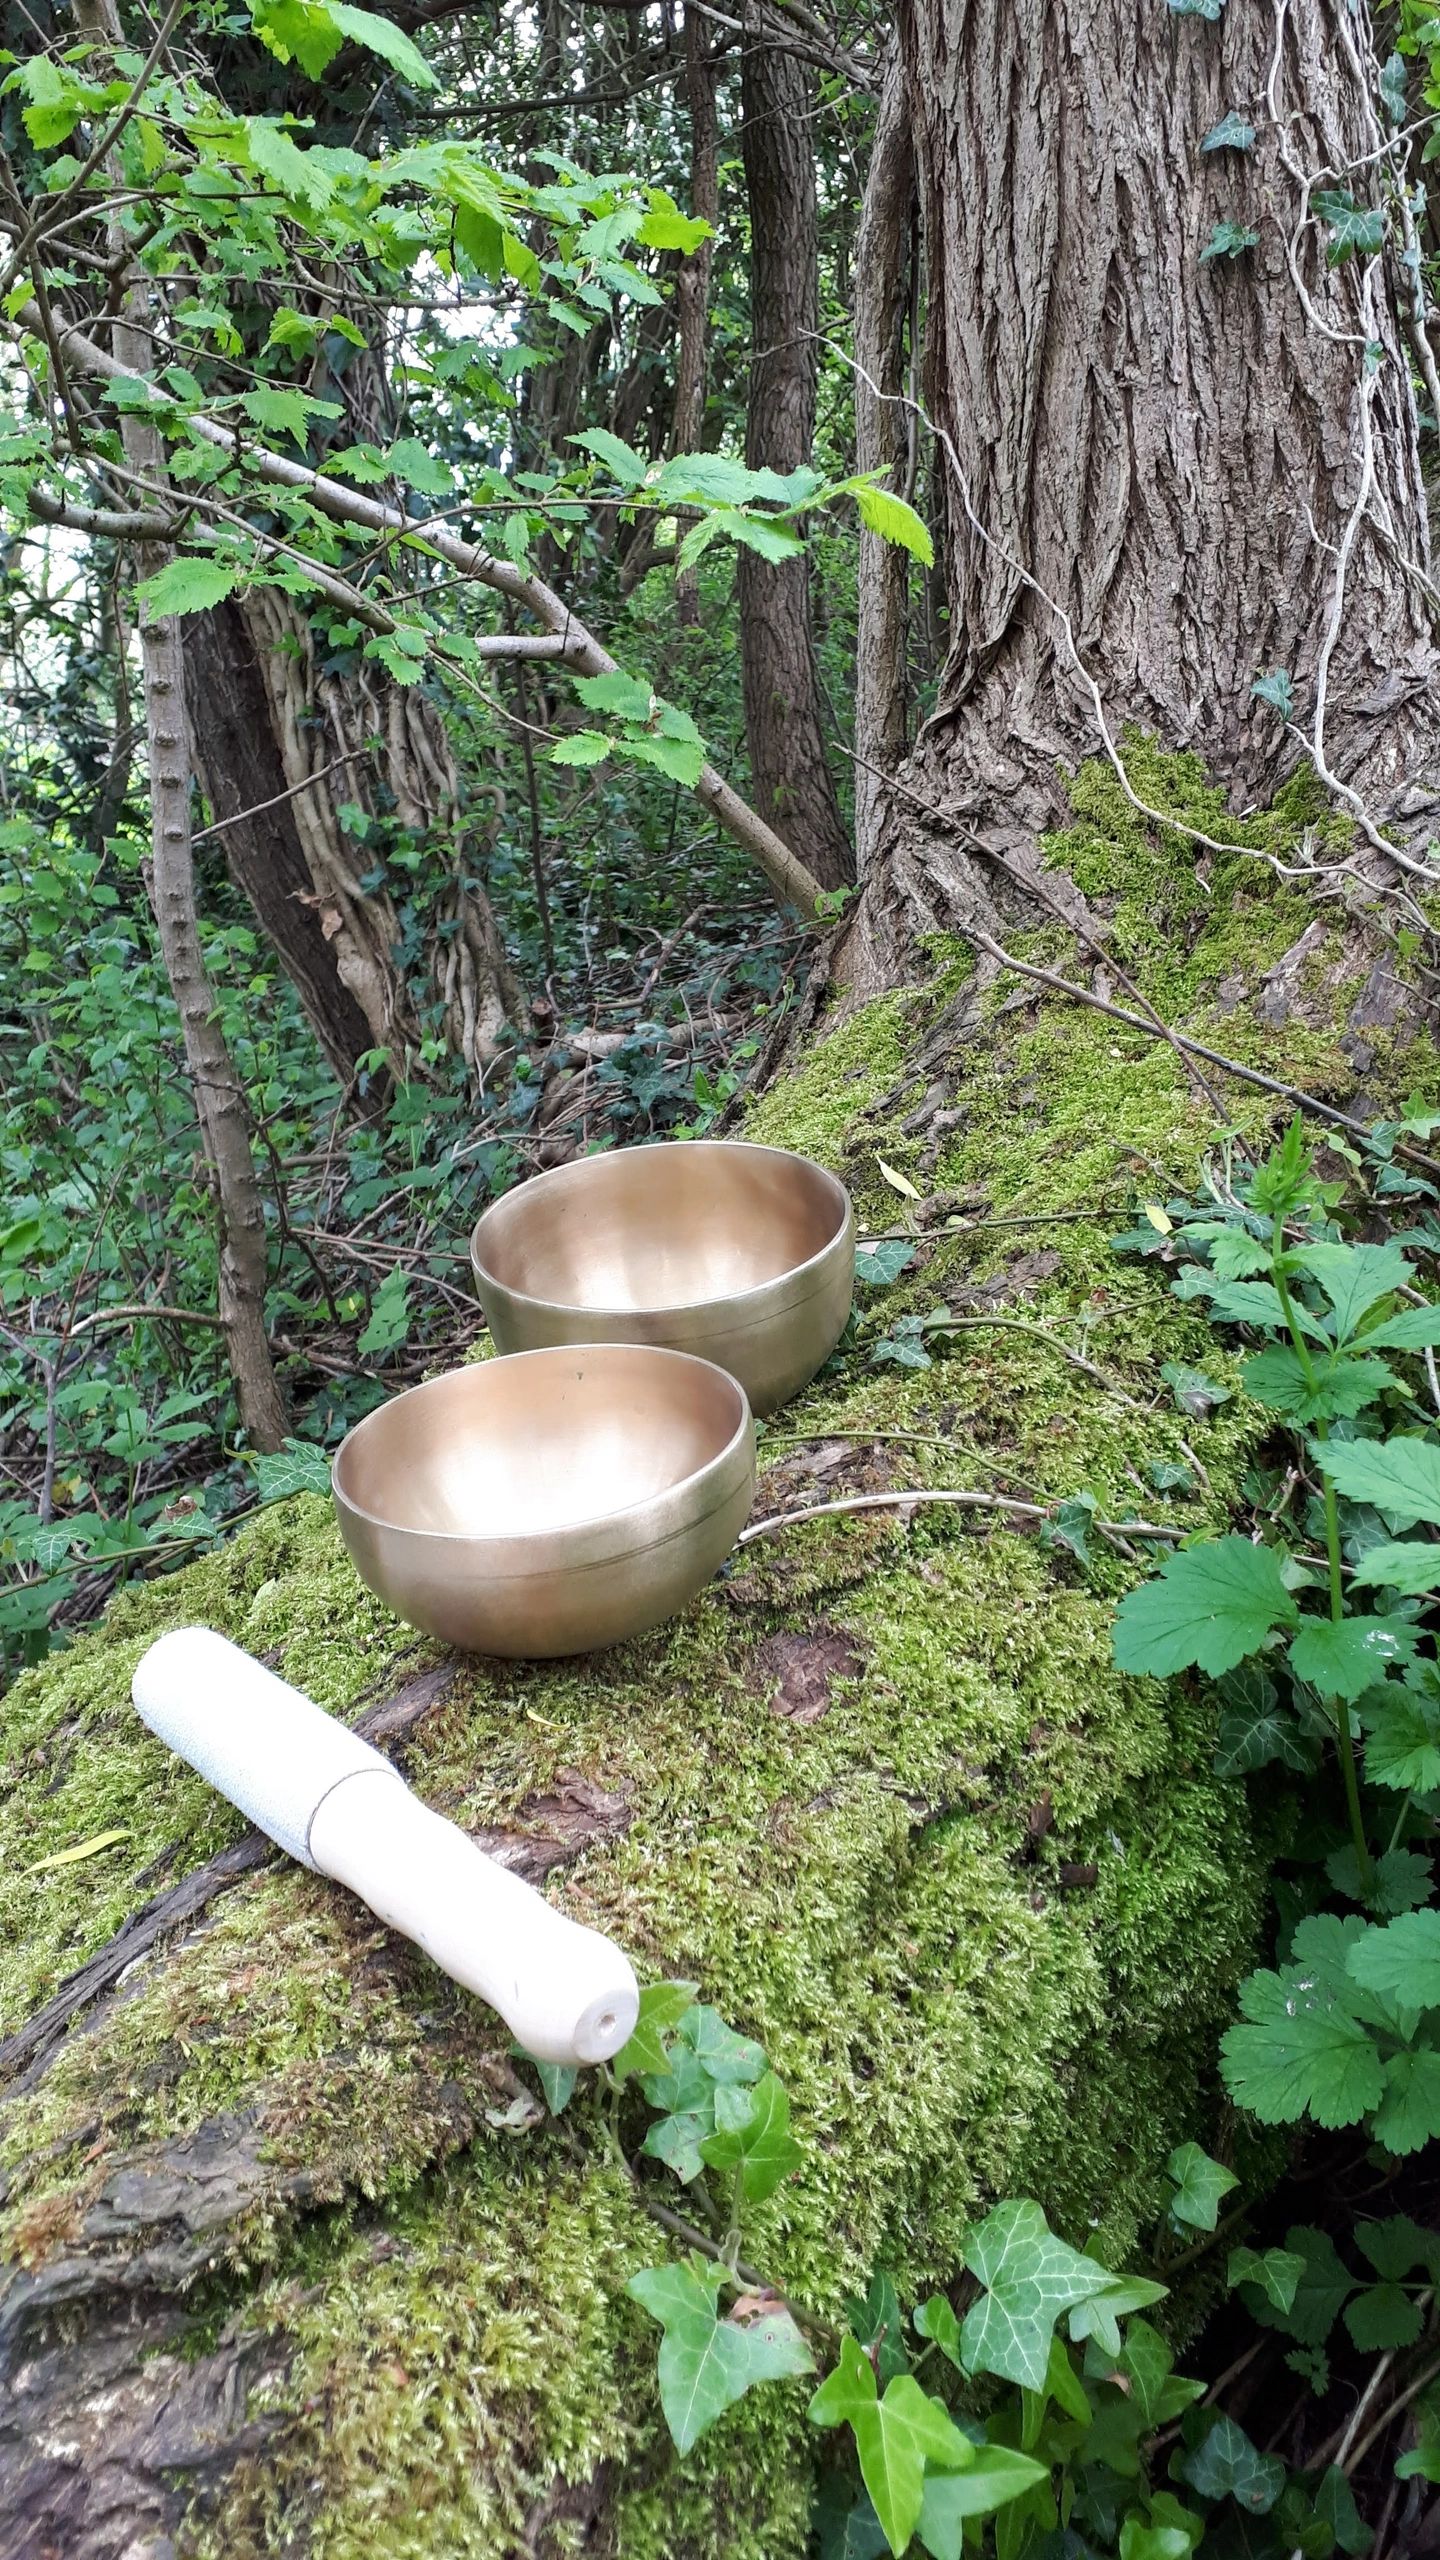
pixel 692 280
pixel 794 787
pixel 1165 474
pixel 882 260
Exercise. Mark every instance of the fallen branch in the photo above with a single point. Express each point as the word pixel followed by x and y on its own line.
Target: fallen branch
pixel 965 1501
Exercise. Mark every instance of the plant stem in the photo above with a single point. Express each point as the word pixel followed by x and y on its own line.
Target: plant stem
pixel 1344 1732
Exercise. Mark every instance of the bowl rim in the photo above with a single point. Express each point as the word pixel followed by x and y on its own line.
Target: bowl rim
pixel 744 1430
pixel 845 1228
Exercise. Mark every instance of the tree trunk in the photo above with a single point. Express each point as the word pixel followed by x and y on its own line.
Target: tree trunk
pixel 793 785
pixel 1165 474
pixel 692 276
pixel 245 780
pixel 882 260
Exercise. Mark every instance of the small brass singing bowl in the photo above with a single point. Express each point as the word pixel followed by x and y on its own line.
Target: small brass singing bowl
pixel 744 1255
pixel 551 1504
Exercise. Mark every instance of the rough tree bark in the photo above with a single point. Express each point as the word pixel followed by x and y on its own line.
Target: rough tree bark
pixel 1168 445
pixel 692 275
pixel 882 258
pixel 794 787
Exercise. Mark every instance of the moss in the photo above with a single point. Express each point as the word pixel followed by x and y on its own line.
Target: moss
pixel 887 1895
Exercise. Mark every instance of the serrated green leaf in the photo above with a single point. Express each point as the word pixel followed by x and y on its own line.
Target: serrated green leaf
pixel 1342 1658
pixel 1400 1962
pixel 1208 1606
pixel 625 697
pixel 1030 2277
pixel 1408 2117
pixel 706 2363
pixel 381 36
pixel 665 227
pixel 895 2437
pixel 1414 1329
pixel 1402 1747
pixel 1384 2315
pixel 1340 1385
pixel 1411 1566
pixel 189 584
pixel 629 467
pixel 301 175
pixel 1299 2052
pixel 883 513
pixel 279 413
pixel 1354 1277
pixel 675 757
pixel 1401 1477
pixel 583 747
pixel 1200 2184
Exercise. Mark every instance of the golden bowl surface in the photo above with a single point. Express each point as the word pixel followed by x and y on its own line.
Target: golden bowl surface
pixel 550 1504
pixel 744 1255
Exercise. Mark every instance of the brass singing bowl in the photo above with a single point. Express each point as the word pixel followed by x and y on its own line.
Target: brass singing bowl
pixel 744 1255
pixel 550 1504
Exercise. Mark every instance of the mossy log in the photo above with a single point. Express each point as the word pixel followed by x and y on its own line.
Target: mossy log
pixel 288 2266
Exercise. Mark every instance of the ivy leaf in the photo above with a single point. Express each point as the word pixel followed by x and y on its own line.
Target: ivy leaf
pixel 1255 1730
pixel 878 1265
pixel 1353 228
pixel 676 2140
pixel 936 2321
pixel 1402 1747
pixel 1030 2276
pixel 1228 239
pixel 1345 1657
pixel 1195 8
pixel 846 2527
pixel 298 1467
pixel 1391 85
pixel 1148 2365
pixel 1208 1606
pixel 187 585
pixel 1193 1392
pixel 707 2363
pixel 995 2478
pixel 1322 2291
pixel 1335 2505
pixel 1278 690
pixel 752 2136
pixel 1227 2464
pixel 662 2006
pixel 557 2080
pixel 1401 1477
pixel 1232 133
pixel 1299 2052
pixel 1101 2316
pixel 389 1324
pixel 1342 1384
pixel 1200 2182
pixel 722 2055
pixel 1411 1566
pixel 895 2437
pixel 1384 2315
pixel 877 2322
pixel 1400 1962
pixel 1141 2541
pixel 883 513
pixel 1276 2274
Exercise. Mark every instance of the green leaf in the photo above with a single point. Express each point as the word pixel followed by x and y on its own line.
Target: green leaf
pixel 1345 1657
pixel 1355 1277
pixel 1141 2541
pixel 996 2477
pixel 883 513
pixel 1278 690
pixel 1276 2274
pixel 1030 2276
pixel 707 2363
pixel 1412 1566
pixel 1193 1391
pixel 1200 2184
pixel 1323 2289
pixel 302 31
pixel 298 1467
pixel 190 584
pixel 382 36
pixel 673 756
pixel 301 175
pixel 627 697
pixel 1384 2315
pixel 1228 239
pixel 1255 1730
pixel 57 101
pixel 1391 85
pixel 1401 1477
pixel 1335 2505
pixel 1299 2052
pixel 414 463
pixel 627 466
pixel 583 747
pixel 1354 228
pixel 722 2055
pixel 1232 133
pixel 1342 1384
pixel 665 227
pixel 936 2320
pixel 557 2079
pixel 1195 8
pixel 1101 2316
pixel 389 1324
pixel 1148 2364
pixel 1226 2464
pixel 1209 1606
pixel 894 2438
pixel 662 2006
pixel 78 1853
pixel 878 2324
pixel 1402 1747
pixel 676 2140
pixel 1415 1329
pixel 1408 2118
pixel 1401 1962
pixel 22 1236
pixel 279 413
pixel 752 2137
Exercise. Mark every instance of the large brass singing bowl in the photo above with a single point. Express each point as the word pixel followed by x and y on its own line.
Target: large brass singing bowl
pixel 551 1504
pixel 742 1254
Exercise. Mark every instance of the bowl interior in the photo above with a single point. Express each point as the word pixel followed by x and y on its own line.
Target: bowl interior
pixel 544 1441
pixel 650 1228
